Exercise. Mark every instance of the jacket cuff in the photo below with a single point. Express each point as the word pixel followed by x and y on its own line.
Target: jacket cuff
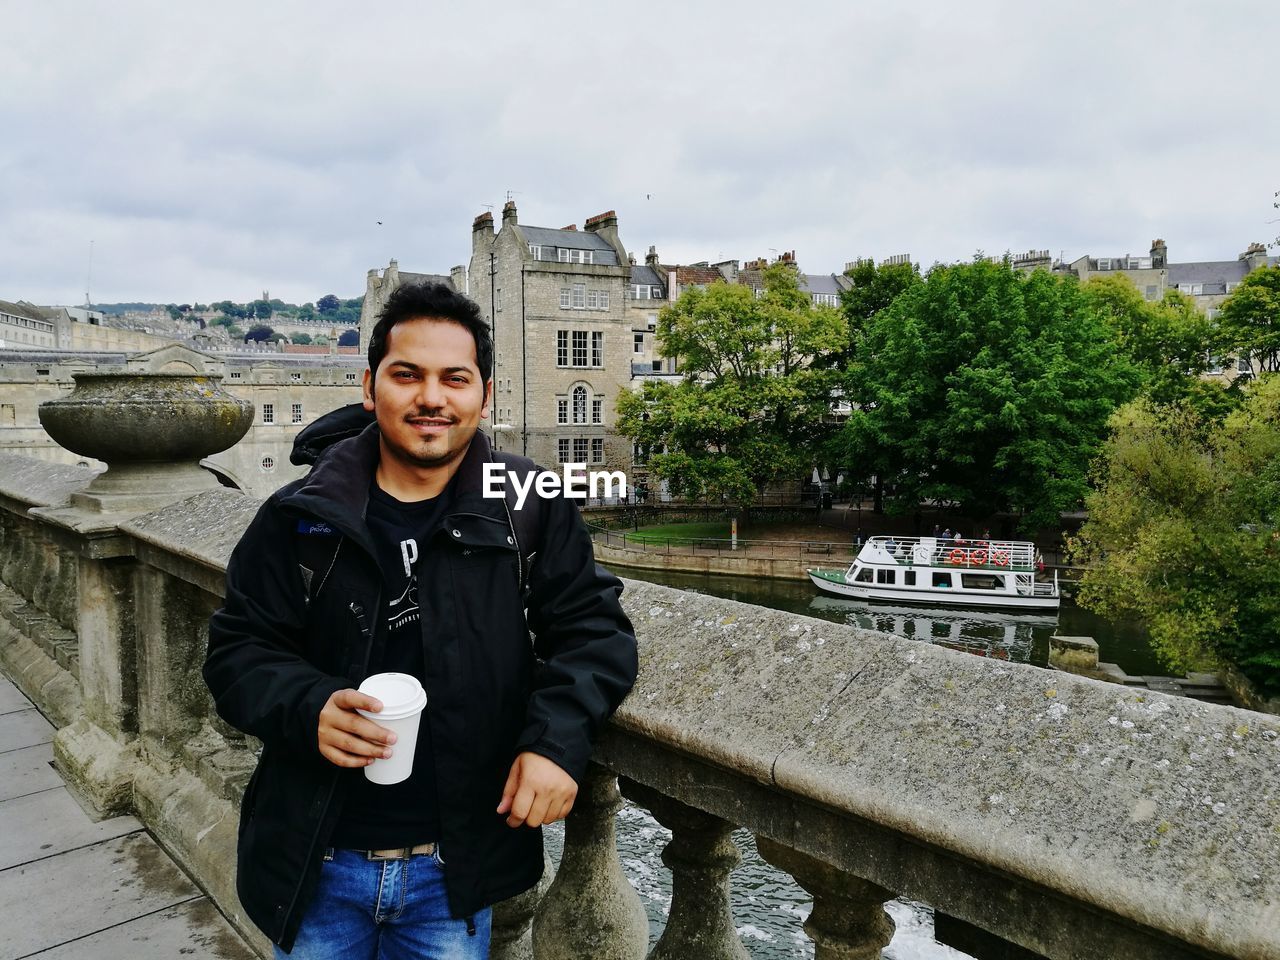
pixel 535 740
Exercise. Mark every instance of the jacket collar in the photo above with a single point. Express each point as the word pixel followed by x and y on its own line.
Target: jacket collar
pixel 337 488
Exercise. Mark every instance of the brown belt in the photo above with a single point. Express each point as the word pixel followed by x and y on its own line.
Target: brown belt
pixel 399 853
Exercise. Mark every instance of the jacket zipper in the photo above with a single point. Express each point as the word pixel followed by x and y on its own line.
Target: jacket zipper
pixel 357 609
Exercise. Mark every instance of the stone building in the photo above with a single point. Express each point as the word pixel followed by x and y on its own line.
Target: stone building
pixel 380 285
pixel 24 326
pixel 563 335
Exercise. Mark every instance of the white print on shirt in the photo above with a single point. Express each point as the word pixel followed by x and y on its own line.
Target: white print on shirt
pixel 404 609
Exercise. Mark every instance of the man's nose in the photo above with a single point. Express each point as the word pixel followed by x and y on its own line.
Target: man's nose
pixel 431 393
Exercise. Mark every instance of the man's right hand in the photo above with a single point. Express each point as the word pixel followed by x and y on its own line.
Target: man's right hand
pixel 348 739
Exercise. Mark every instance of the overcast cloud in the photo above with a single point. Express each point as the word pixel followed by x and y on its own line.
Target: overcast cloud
pixel 218 151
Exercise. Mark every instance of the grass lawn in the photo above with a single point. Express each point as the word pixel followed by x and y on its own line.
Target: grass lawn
pixel 713 530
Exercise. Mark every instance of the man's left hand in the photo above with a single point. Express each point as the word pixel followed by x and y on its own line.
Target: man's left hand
pixel 537 792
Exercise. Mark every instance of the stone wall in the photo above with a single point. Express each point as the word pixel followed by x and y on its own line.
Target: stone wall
pixel 1073 818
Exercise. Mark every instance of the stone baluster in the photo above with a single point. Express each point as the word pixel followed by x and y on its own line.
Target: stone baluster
pixel 848 921
pixel 512 937
pixel 700 856
pixel 590 909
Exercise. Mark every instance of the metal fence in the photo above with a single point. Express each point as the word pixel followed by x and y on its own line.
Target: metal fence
pixel 815 550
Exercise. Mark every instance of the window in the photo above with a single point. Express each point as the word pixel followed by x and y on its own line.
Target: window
pixel 864 576
pixel 597 450
pixel 908 578
pixel 297 413
pixel 639 341
pixel 268 413
pixel 982 581
pixel 1242 365
pixel 562 348
pixel 351 377
pixel 887 576
pixel 579 296
pixel 597 410
pixel 604 299
pixel 1151 291
pixel 941 579
pixel 639 454
pixel 268 464
pixel 235 375
pixel 1213 364
pixel 579 449
pixel 562 410
pixel 579 348
pixel 597 349
pixel 639 292
pixel 8 414
pixel 295 376
pixel 593 299
pixel 536 251
pixel 497 298
pixel 564 298
pixel 562 254
pixel 657 366
pixel 579 404
pixel 562 450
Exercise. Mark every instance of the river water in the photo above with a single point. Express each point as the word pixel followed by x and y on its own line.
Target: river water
pixel 768 906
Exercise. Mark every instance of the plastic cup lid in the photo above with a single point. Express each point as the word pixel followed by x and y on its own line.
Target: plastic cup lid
pixel 401 695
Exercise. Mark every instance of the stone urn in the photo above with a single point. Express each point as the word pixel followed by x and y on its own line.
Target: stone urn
pixel 150 428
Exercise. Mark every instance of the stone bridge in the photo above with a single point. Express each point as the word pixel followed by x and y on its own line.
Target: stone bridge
pixel 1069 817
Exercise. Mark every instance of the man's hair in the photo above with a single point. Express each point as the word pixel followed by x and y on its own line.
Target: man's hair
pixel 432 301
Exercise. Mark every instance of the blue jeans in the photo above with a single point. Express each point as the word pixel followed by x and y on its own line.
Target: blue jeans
pixel 385 910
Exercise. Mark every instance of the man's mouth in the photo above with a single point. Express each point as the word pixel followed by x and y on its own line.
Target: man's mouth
pixel 430 423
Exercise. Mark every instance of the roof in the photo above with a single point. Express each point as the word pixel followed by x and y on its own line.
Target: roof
pixel 572 240
pixel 23 309
pixel 427 278
pixel 819 283
pixel 1208 271
pixel 697 275
pixel 645 275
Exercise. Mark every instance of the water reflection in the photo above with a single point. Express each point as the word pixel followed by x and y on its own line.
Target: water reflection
pixel 1002 635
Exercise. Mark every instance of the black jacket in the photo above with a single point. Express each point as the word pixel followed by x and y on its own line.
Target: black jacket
pixel 278 649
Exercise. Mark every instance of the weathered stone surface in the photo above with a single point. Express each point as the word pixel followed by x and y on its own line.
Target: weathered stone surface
pixel 205 528
pixel 1158 809
pixel 24 728
pixel 98 766
pixel 44 824
pixel 193 928
pixel 27 771
pixel 37 483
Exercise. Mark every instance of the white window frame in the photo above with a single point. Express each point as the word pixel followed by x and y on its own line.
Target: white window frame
pixel 564 298
pixel 638 343
pixel 593 299
pixel 562 449
pixel 562 348
pixel 579 404
pixel 604 299
pixel 579 296
pixel 562 254
pixel 597 348
pixel 597 449
pixel 579 354
pixel 562 409
pixel 268 413
pixel 597 410
pixel 581 450
pixel 295 413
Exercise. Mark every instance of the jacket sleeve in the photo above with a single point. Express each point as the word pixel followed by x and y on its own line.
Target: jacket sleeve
pixel 585 642
pixel 256 667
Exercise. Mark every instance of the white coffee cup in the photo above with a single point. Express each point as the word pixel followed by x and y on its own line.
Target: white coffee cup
pixel 403 700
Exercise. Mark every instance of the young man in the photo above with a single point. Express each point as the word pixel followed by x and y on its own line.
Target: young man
pixel 388 558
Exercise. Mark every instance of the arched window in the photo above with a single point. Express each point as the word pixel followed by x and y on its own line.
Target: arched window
pixel 579 404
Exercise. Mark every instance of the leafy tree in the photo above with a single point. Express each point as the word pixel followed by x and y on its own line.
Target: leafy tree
pixel 235 332
pixel 1250 320
pixel 874 289
pixel 174 312
pixel 258 333
pixel 221 321
pixel 349 338
pixel 752 407
pixel 262 309
pixel 306 313
pixel 1184 531
pixel 278 338
pixel 1170 341
pixel 303 338
pixel 985 387
pixel 328 304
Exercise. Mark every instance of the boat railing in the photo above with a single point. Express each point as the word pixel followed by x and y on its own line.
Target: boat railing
pixel 1018 555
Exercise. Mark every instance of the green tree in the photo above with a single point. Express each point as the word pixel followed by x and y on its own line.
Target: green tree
pixel 221 321
pixel 262 309
pixel 328 304
pixel 174 311
pixel 259 332
pixel 985 387
pixel 1250 321
pixel 302 338
pixel 306 313
pixel 874 289
pixel 1170 341
pixel 235 332
pixel 349 338
pixel 751 408
pixel 1184 532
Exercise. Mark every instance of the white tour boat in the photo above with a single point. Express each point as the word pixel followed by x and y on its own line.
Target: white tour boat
pixel 971 573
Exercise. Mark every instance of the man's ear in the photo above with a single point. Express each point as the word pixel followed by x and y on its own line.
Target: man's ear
pixel 368 390
pixel 488 399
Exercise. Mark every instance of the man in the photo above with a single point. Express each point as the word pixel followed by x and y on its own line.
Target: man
pixel 388 558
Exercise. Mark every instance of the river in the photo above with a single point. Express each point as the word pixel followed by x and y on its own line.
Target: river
pixel 768 906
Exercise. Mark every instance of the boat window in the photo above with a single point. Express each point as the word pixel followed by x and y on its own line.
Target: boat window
pixel 941 579
pixel 864 576
pixel 908 578
pixel 886 576
pixel 982 581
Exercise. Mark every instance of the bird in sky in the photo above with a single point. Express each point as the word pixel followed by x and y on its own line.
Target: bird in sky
pixel 379 223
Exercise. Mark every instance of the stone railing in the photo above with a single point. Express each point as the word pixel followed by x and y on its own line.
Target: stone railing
pixel 1073 818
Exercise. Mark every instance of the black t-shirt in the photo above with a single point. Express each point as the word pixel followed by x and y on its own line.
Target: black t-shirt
pixel 380 816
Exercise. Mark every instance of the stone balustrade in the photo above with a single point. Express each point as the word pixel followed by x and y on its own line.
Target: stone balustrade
pixel 1073 818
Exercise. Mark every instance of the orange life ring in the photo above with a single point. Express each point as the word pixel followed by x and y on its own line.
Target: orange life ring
pixel 956 557
pixel 980 557
pixel 999 558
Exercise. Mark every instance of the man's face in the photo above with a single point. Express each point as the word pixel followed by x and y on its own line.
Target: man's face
pixel 427 393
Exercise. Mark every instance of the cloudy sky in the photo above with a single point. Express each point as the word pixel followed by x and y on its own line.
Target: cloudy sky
pixel 213 151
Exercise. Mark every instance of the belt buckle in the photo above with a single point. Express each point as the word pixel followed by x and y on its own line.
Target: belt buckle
pixel 397 853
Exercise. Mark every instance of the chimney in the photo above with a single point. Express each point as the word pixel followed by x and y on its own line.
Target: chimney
pixel 572 226
pixel 1254 256
pixel 651 258
pixel 459 277
pixel 482 222
pixel 1159 255
pixel 605 225
pixel 509 213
